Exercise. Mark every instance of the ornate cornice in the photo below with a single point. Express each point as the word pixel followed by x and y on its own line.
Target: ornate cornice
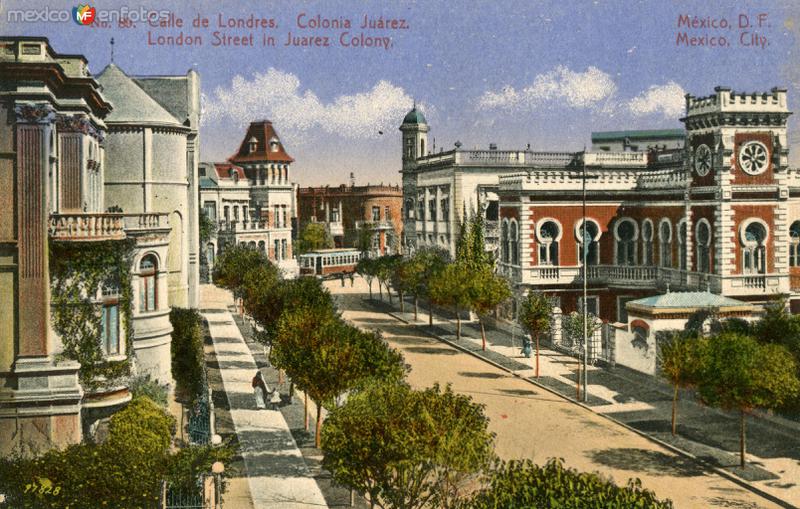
pixel 34 113
pixel 78 124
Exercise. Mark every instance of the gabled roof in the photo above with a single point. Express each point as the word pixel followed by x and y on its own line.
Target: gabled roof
pixel 263 132
pixel 131 103
pixel 687 300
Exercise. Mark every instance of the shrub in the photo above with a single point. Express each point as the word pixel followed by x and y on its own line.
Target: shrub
pixel 188 357
pixel 143 386
pixel 523 484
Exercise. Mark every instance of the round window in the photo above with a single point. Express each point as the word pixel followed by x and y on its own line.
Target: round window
pixel 702 160
pixel 753 157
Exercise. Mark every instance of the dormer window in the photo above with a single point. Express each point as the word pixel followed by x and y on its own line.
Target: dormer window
pixel 252 144
pixel 234 175
pixel 274 144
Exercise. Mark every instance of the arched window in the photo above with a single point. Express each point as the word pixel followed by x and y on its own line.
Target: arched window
pixel 590 239
pixel 548 235
pixel 682 245
pixel 409 209
pixel 422 148
pixel 226 212
pixel 262 246
pixel 754 249
pixel 625 234
pixel 703 239
pixel 148 286
pixel 665 242
pixel 794 244
pixel 505 242
pixel 647 243
pixel 514 235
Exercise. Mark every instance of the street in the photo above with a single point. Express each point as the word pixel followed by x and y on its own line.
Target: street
pixel 533 423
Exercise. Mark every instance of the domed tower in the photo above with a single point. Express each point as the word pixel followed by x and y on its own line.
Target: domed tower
pixel 415 136
pixel 415 141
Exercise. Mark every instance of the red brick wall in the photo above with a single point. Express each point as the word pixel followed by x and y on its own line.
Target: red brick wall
pixel 764 212
pixel 742 178
pixel 703 212
pixel 707 180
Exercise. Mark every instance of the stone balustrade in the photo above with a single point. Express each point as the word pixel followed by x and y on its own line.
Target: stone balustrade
pixel 87 227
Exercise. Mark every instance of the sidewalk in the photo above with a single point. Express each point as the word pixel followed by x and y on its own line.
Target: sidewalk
pixel 276 472
pixel 643 403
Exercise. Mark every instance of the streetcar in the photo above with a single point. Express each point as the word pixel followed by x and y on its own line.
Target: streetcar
pixel 329 263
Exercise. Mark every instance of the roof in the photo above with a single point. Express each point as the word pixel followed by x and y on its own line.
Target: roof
pixel 687 300
pixel 224 170
pixel 207 183
pixel 644 134
pixel 263 132
pixel 171 92
pixel 414 117
pixel 131 103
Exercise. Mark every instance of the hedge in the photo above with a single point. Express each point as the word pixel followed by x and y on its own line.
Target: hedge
pixel 188 357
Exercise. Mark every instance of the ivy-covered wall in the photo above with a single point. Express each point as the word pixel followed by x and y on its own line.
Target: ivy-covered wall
pixel 77 271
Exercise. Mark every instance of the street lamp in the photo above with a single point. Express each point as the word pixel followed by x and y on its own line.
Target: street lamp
pixel 586 238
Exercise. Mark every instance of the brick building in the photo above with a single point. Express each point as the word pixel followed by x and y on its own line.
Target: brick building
pixel 348 208
pixel 718 212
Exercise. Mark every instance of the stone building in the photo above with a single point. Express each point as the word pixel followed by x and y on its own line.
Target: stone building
pixel 347 209
pixel 64 164
pixel 251 198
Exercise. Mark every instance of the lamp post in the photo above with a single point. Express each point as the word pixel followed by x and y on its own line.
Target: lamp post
pixel 585 238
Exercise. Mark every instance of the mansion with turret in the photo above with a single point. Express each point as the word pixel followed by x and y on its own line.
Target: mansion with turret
pixel 712 210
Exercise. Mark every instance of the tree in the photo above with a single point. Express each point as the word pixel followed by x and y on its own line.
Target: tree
pixel 234 263
pixel 525 484
pixel 433 260
pixel 534 316
pixel 452 288
pixel 384 271
pixel 407 449
pixel 206 228
pixel 367 269
pixel 487 291
pixel 464 244
pixel 680 360
pixel 402 279
pixel 411 277
pixel 480 257
pixel 364 236
pixel 739 374
pixel 312 237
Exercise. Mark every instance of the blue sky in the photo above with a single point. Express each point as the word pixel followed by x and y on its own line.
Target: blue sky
pixel 512 73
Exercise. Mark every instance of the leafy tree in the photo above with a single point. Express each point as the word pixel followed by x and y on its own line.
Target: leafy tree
pixel 384 270
pixel 410 275
pixel 312 237
pixel 401 279
pixel 407 449
pixel 367 268
pixel 376 360
pixel 534 315
pixel 739 374
pixel 452 288
pixel 479 255
pixel 573 326
pixel 188 356
pixel 206 226
pixel 433 261
pixel 234 263
pixel 525 484
pixel 465 244
pixel 680 359
pixel 487 291
pixel 364 236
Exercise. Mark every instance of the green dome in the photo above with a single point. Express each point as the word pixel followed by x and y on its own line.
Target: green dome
pixel 414 117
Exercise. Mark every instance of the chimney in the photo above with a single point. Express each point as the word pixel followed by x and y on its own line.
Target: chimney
pixel 492 146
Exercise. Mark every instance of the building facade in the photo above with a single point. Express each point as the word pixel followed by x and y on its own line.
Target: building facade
pixel 59 182
pixel 251 198
pixel 719 213
pixel 347 210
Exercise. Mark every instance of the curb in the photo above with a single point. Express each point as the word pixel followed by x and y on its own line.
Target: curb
pixel 723 473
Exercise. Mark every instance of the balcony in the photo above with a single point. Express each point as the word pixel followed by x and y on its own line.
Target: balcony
pixel 491 230
pixel 375 225
pixel 145 222
pixel 244 226
pixel 87 227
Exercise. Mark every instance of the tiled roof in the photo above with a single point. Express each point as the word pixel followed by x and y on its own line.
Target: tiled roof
pixel 131 103
pixel 263 132
pixel 687 300
pixel 224 170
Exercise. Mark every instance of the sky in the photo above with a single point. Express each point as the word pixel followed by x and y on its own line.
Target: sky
pixel 513 73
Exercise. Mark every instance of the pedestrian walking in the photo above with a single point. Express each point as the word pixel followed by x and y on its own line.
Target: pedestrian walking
pixel 260 390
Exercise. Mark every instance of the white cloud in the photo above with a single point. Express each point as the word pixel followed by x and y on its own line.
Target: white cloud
pixel 667 100
pixel 558 87
pixel 277 95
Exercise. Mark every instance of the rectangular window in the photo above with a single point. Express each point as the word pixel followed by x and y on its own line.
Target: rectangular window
pixel 335 215
pixel 277 253
pixel 110 320
pixel 432 209
pixel 387 213
pixel 277 218
pixel 592 305
pixel 147 292
pixel 376 214
pixel 284 221
pixel 211 210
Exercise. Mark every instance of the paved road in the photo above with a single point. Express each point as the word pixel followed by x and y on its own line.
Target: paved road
pixel 533 423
